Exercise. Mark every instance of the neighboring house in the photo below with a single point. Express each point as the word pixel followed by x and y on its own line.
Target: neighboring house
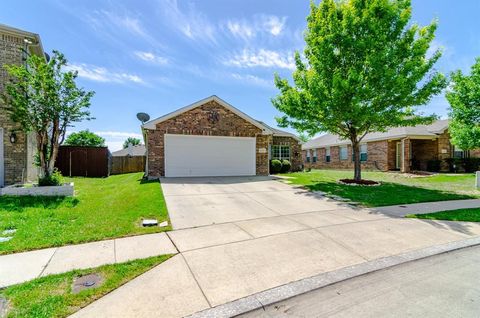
pixel 17 149
pixel 131 151
pixel 128 160
pixel 213 138
pixel 403 148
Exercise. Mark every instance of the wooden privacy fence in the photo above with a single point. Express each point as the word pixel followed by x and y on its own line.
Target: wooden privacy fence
pixel 74 161
pixel 128 164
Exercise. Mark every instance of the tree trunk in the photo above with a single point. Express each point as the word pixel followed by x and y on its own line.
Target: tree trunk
pixel 356 160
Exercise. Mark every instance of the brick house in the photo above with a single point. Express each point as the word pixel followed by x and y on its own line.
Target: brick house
pixel 403 149
pixel 17 149
pixel 213 138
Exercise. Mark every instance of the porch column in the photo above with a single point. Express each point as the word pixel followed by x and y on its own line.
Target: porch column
pixel 406 154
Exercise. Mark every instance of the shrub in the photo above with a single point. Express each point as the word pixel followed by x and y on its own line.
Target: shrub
pixel 54 179
pixel 286 166
pixel 434 165
pixel 471 164
pixel 463 164
pixel 275 166
pixel 454 164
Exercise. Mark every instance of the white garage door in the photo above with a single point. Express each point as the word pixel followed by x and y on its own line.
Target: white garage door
pixel 202 156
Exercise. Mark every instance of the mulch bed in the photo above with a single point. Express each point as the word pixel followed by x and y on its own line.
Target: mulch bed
pixel 361 182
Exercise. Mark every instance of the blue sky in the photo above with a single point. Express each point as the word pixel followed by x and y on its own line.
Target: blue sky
pixel 155 56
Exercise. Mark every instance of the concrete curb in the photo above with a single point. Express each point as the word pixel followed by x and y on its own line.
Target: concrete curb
pixel 280 293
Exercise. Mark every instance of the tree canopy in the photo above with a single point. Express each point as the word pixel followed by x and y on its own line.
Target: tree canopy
pixel 44 98
pixel 365 68
pixel 131 141
pixel 464 99
pixel 85 138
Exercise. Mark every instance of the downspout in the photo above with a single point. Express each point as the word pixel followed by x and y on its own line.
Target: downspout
pixel 145 138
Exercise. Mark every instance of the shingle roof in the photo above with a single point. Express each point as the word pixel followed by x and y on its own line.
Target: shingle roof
pixel 278 132
pixel 432 130
pixel 136 151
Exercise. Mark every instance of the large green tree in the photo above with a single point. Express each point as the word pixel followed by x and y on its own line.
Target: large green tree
pixel 131 141
pixel 464 99
pixel 84 138
pixel 365 69
pixel 44 98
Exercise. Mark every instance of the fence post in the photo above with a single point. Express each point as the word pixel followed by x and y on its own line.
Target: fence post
pixel 477 180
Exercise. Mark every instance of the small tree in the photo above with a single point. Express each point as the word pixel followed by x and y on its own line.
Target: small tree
pixel 44 99
pixel 365 69
pixel 131 141
pixel 464 99
pixel 84 138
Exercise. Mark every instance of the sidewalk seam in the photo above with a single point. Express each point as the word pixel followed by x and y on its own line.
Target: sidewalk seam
pixel 48 262
pixel 196 281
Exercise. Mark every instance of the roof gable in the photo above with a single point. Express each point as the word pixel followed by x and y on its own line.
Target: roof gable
pixel 153 123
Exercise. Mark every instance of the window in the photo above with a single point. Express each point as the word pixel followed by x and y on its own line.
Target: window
pixel 458 153
pixel 343 152
pixel 363 152
pixel 308 156
pixel 281 152
pixel 327 154
pixel 314 155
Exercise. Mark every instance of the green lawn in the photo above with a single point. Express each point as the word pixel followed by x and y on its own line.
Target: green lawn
pixel 102 208
pixel 396 188
pixel 52 296
pixel 467 215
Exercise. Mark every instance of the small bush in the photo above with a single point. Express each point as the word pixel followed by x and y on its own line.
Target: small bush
pixel 54 179
pixel 275 166
pixel 434 165
pixel 286 166
pixel 454 164
pixel 471 164
pixel 463 164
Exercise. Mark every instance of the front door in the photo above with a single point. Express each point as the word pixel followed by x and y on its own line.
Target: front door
pixel 398 163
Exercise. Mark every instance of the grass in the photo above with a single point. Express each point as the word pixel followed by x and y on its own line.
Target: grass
pixel 52 296
pixel 395 189
pixel 467 215
pixel 102 208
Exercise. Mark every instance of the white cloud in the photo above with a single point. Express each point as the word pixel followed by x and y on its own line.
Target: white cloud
pixel 260 24
pixel 101 74
pixel 191 22
pixel 274 24
pixel 240 29
pixel 119 134
pixel 151 57
pixel 262 58
pixel 252 79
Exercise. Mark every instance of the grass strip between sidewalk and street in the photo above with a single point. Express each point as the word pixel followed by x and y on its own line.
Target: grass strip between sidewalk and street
pixel 52 296
pixel 466 215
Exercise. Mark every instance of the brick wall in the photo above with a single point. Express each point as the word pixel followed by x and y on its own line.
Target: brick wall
pixel 16 168
pixel 295 150
pixel 422 152
pixel 198 121
pixel 377 158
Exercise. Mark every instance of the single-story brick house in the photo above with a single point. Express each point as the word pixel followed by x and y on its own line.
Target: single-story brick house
pixel 403 148
pixel 17 149
pixel 212 138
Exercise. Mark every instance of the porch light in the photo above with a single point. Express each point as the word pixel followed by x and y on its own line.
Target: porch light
pixel 13 137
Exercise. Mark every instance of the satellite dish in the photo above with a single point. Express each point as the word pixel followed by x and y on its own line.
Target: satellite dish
pixel 143 117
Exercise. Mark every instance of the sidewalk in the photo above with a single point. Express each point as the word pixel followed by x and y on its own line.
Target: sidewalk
pixel 228 263
pixel 21 267
pixel 428 207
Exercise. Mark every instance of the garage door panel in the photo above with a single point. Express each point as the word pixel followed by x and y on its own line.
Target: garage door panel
pixel 209 156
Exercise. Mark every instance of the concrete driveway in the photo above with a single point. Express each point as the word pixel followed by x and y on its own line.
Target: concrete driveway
pixel 241 238
pixel 194 202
